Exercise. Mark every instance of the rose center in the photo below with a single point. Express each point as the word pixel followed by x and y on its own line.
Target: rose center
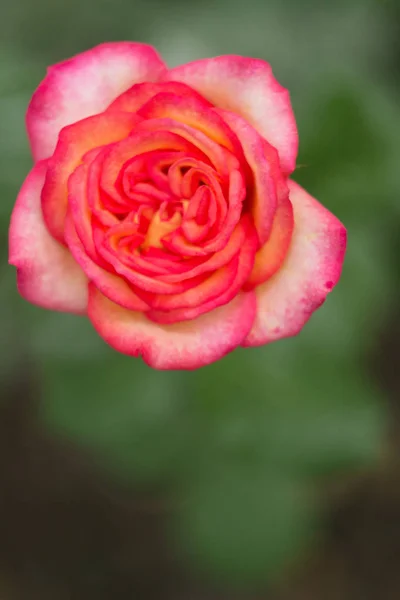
pixel 163 223
pixel 168 193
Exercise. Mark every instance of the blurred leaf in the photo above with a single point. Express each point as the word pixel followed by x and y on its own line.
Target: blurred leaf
pixel 282 408
pixel 331 423
pixel 342 136
pixel 349 136
pixel 244 525
pixel 128 415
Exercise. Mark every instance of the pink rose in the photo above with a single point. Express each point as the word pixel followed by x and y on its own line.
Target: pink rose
pixel 160 206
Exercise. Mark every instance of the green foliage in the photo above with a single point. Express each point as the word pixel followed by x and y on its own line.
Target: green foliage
pixel 244 523
pixel 134 418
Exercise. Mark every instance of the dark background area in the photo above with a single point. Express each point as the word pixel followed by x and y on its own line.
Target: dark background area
pixel 275 473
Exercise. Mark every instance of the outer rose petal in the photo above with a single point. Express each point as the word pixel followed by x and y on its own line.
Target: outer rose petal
pixel 85 85
pixel 186 345
pixel 47 274
pixel 311 269
pixel 247 87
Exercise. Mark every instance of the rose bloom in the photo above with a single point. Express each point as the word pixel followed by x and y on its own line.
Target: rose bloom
pixel 160 206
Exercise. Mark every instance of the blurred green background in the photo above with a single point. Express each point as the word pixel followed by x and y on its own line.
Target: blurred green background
pixel 273 473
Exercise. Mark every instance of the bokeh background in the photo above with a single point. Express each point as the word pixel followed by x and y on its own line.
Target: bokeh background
pixel 275 473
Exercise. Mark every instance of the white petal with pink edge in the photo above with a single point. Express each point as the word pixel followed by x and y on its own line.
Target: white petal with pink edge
pixel 84 86
pixel 47 274
pixel 311 269
pixel 247 87
pixel 187 345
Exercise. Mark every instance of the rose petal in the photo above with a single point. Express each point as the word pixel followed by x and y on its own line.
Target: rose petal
pixel 244 266
pixel 311 269
pixel 267 176
pixel 146 283
pixel 134 98
pixel 195 112
pixel 270 257
pixel 216 260
pixel 214 286
pixel 188 345
pixel 85 85
pixel 246 86
pixel 140 142
pixel 236 195
pixel 80 210
pixel 47 274
pixel 111 285
pixel 74 142
pixel 223 160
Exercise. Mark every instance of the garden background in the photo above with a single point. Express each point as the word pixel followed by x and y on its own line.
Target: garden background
pixel 273 474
